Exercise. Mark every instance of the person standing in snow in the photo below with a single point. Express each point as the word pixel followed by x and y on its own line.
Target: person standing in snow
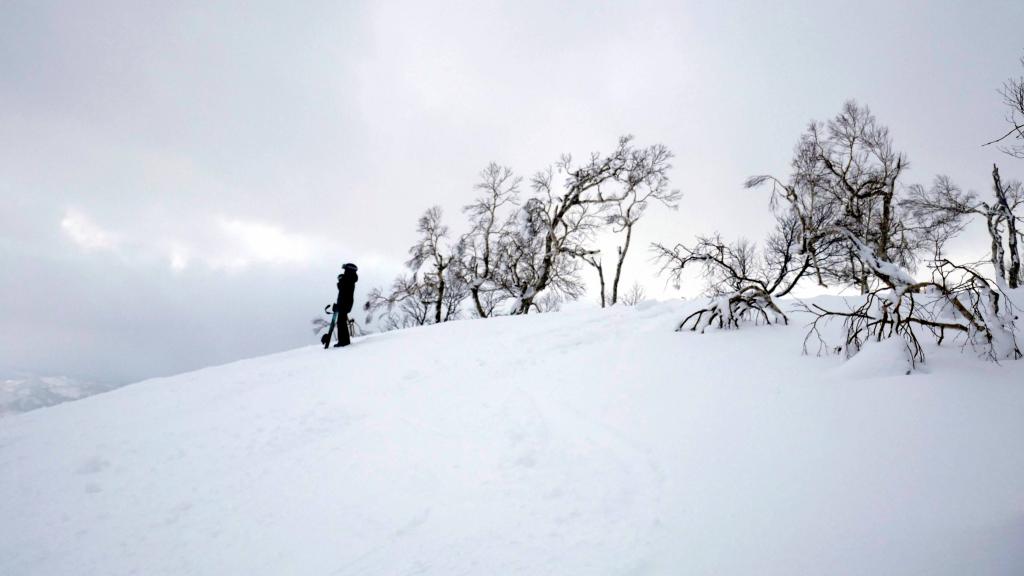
pixel 346 289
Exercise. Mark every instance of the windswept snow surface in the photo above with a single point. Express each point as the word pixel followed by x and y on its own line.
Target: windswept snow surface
pixel 577 443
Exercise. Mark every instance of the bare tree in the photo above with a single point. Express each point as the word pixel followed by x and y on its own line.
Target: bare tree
pixel 940 213
pixel 430 252
pixel 956 299
pixel 846 173
pixel 845 195
pixel 409 303
pixel 559 221
pixel 742 280
pixel 841 216
pixel 550 301
pixel 623 217
pixel 635 295
pixel 592 258
pixel 944 209
pixel 525 270
pixel 1008 198
pixel 480 250
pixel 628 211
pixel 431 293
pixel 1013 97
pixel 322 324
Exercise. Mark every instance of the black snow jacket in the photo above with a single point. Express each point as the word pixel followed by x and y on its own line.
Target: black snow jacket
pixel 346 288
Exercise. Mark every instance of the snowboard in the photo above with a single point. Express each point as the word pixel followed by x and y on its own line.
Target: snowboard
pixel 326 338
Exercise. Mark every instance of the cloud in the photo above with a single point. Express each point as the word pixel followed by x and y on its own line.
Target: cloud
pixel 222 244
pixel 250 242
pixel 178 257
pixel 231 244
pixel 86 233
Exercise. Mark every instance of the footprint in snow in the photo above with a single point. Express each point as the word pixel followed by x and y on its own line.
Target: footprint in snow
pixel 92 465
pixel 414 523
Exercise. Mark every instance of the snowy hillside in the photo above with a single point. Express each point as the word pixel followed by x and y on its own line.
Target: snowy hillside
pixel 581 442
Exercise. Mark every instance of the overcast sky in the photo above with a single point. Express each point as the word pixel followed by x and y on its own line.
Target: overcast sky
pixel 181 182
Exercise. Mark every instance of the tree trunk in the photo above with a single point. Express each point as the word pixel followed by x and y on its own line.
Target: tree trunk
pixel 475 292
pixel 526 300
pixel 440 294
pixel 1013 277
pixel 992 220
pixel 884 225
pixel 618 265
pixel 552 245
pixel 860 277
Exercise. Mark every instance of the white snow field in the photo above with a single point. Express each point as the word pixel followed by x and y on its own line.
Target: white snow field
pixel 574 443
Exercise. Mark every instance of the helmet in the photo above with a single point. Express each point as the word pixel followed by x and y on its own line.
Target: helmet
pixel 349 267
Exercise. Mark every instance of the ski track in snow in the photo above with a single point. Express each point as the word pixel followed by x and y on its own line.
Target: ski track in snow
pixel 582 442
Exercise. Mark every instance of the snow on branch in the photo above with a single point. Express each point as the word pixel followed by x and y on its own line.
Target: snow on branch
pixel 956 300
pixel 740 280
pixel 750 304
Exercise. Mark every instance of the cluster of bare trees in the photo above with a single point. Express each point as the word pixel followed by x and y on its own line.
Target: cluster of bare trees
pixel 526 254
pixel 845 218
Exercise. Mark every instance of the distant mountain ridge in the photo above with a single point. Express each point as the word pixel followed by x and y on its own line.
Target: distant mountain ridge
pixel 22 392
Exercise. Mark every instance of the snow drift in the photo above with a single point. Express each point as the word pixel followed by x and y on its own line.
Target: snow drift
pixel 582 442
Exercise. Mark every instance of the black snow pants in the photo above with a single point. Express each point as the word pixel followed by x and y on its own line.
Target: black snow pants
pixel 342 326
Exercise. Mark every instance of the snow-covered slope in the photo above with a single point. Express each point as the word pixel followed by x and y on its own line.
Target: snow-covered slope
pixel 584 442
